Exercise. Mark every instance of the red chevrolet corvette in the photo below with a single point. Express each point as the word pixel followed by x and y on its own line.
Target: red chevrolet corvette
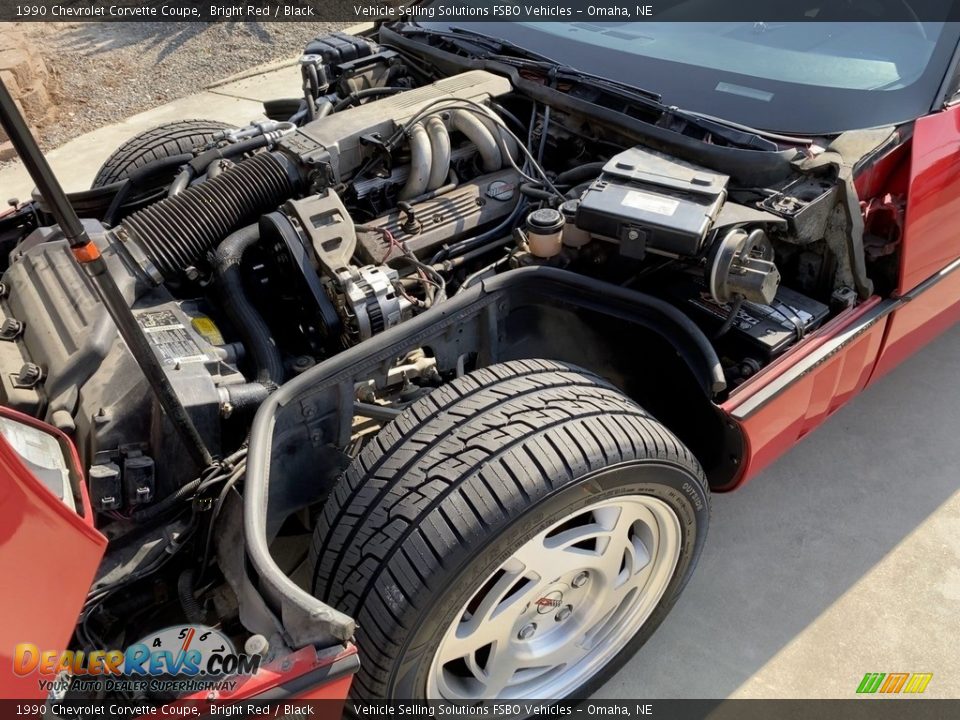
pixel 423 382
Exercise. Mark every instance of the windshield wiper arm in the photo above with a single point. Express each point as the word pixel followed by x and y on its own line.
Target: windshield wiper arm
pixel 461 38
pixel 558 66
pixel 500 44
pixel 707 122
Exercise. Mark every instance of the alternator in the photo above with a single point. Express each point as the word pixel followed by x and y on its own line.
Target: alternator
pixel 369 303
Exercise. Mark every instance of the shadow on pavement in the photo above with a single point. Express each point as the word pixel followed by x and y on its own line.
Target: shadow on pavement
pixel 782 550
pixel 164 37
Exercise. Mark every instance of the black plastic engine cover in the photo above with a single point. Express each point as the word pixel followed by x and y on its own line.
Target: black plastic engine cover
pixel 91 386
pixel 339 47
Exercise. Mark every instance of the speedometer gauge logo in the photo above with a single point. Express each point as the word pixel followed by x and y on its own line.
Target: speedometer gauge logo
pixel 187 650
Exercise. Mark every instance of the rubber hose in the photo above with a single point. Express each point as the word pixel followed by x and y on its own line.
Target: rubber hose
pixel 440 148
pixel 312 88
pixel 578 190
pixel 191 608
pixel 325 109
pixel 470 125
pixel 531 190
pixel 579 173
pixel 365 93
pixel 181 182
pixel 138 176
pixel 246 397
pixel 198 165
pixel 421 156
pixel 177 232
pixel 201 162
pixel 246 319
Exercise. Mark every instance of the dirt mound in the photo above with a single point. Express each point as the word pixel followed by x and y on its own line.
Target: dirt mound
pixel 27 77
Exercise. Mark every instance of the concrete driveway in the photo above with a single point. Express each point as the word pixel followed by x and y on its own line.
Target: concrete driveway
pixel 842 559
pixel 237 100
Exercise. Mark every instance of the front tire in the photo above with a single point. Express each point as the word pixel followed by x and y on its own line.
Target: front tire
pixel 167 140
pixel 518 533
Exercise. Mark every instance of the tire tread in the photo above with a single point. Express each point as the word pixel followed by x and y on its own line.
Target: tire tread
pixel 162 141
pixel 449 471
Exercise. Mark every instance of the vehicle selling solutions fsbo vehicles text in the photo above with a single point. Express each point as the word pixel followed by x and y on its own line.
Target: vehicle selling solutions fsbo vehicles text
pixel 504 10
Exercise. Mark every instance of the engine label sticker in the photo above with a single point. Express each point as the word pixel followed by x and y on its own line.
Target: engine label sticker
pixel 650 203
pixel 170 338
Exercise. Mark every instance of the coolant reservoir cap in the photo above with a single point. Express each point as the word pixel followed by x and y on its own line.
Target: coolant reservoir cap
pixel 544 221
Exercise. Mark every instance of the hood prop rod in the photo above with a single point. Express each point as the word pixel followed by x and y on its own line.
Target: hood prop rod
pixel 88 255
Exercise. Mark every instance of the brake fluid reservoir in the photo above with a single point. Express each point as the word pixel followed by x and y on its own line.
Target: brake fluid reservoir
pixel 544 232
pixel 573 236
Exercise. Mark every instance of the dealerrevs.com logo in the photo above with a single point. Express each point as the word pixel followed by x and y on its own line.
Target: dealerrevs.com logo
pixel 180 658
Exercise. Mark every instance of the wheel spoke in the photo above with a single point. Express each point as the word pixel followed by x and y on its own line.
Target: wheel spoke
pixel 503 666
pixel 628 563
pixel 629 548
pixel 521 663
pixel 555 561
pixel 493 616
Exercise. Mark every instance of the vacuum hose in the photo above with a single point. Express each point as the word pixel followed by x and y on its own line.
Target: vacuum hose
pixel 185 590
pixel 177 232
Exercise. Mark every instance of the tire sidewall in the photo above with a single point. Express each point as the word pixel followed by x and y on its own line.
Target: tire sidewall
pixel 670 482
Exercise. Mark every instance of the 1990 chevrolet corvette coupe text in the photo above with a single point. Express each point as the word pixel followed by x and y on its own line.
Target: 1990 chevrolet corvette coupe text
pixel 438 366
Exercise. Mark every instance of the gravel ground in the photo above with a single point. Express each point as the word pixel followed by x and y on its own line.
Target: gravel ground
pixel 109 71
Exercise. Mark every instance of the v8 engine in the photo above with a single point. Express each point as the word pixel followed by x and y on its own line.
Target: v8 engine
pixel 271 247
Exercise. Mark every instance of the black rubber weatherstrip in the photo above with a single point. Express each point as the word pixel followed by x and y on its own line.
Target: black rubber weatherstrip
pixel 306 619
pixel 322 675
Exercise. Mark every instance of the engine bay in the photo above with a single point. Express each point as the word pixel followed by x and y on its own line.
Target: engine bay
pixel 391 187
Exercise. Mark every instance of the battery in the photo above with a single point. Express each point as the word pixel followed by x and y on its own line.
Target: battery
pixel 770 329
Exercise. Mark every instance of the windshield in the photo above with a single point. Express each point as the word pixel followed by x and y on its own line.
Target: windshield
pixel 810 78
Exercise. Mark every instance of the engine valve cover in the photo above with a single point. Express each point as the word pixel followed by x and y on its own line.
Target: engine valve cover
pixel 441 219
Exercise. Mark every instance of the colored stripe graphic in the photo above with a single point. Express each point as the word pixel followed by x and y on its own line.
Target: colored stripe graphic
pixel 871 682
pixel 893 683
pixel 918 683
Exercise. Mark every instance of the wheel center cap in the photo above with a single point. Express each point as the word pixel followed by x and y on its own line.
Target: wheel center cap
pixel 549 602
